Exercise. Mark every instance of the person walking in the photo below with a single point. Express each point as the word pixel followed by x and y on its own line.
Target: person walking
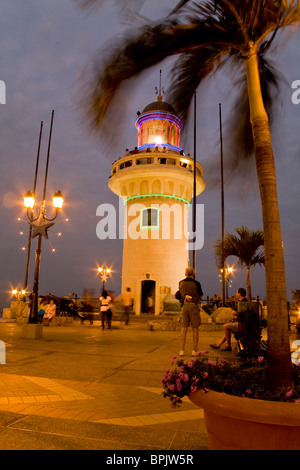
pixel 105 301
pixel 127 300
pixel 190 294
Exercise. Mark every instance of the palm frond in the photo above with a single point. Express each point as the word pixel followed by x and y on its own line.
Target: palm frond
pixel 203 36
pixel 258 259
pixel 189 71
pixel 245 246
pixel 129 56
pixel 179 6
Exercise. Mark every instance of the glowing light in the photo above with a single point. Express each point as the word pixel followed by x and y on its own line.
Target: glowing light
pixel 104 271
pixel 158 140
pixel 29 200
pixel 58 200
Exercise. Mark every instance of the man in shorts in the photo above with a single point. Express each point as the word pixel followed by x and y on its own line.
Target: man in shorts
pixel 190 295
pixel 232 327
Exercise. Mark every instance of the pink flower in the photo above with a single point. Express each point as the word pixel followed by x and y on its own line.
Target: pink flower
pixel 289 393
pixel 260 359
pixel 191 362
pixel 178 385
pixel 205 375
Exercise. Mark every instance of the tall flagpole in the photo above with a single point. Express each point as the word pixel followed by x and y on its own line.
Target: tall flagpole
pixel 34 190
pixel 194 188
pixel 34 307
pixel 222 207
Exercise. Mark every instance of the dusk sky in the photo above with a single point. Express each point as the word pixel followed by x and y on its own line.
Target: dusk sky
pixel 45 45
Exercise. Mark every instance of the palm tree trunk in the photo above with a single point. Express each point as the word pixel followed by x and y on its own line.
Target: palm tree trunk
pixel 279 355
pixel 248 284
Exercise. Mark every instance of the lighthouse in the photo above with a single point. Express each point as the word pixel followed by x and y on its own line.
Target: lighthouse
pixel 155 181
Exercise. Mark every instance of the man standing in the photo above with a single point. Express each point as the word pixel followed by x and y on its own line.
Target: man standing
pixel 190 294
pixel 127 304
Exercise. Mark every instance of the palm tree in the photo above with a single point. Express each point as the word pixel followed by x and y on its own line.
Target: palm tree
pixel 245 247
pixel 205 36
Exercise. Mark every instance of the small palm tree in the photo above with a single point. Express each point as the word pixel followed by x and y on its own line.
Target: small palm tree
pixel 245 247
pixel 205 36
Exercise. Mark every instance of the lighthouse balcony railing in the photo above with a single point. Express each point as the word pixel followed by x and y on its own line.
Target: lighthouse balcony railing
pixel 176 160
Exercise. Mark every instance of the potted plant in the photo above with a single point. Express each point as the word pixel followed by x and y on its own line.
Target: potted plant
pixel 239 409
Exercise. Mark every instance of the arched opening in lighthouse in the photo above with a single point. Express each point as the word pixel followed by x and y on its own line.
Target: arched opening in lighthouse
pixel 148 296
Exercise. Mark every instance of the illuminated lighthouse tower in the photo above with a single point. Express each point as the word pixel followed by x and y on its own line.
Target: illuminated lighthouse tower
pixel 155 182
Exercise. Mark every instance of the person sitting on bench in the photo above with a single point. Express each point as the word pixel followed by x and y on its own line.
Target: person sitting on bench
pixel 232 327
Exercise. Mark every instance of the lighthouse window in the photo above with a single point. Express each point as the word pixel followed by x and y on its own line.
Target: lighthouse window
pixel 149 218
pixel 144 161
pixel 126 164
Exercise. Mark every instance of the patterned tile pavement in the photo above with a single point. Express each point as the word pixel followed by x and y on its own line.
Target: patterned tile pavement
pixel 78 382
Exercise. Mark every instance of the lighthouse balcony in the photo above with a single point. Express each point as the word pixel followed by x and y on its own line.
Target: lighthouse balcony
pixel 155 157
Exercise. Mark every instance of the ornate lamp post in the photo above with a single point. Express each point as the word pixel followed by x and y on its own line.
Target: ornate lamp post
pixel 226 273
pixel 40 225
pixel 104 273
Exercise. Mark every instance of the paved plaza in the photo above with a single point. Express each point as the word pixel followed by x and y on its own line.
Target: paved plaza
pixel 79 387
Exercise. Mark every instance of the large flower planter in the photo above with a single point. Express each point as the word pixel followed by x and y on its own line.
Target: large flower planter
pixel 237 423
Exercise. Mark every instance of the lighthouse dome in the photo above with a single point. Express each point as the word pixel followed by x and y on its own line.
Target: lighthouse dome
pixel 160 106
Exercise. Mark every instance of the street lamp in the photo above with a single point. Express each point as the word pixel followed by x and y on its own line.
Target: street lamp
pixel 104 273
pixel 40 225
pixel 227 275
pixel 18 294
pixel 14 292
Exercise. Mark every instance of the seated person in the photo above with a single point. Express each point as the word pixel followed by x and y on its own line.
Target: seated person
pixel 50 312
pixel 41 311
pixel 232 327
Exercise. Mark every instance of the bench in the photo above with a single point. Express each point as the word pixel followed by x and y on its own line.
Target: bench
pixel 253 347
